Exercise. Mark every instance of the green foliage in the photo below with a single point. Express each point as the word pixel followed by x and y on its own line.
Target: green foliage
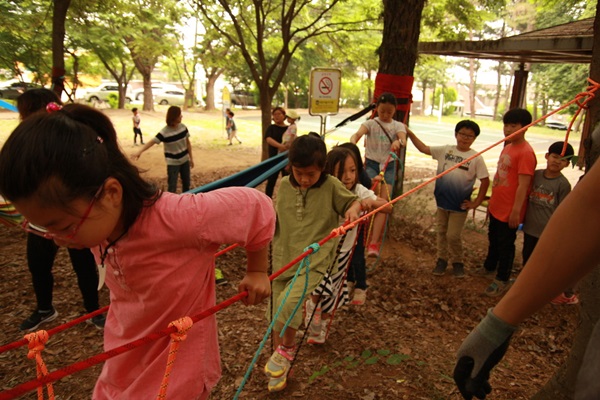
pixel 113 100
pixel 450 96
pixel 25 38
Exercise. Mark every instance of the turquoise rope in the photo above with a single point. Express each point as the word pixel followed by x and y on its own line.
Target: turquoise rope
pixel 305 263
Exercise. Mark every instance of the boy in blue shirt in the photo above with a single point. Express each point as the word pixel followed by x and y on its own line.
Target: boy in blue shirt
pixel 453 192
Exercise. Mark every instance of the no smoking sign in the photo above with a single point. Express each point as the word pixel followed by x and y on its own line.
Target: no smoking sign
pixel 324 91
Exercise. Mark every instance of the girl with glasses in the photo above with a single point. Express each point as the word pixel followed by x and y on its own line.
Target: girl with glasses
pixel 65 173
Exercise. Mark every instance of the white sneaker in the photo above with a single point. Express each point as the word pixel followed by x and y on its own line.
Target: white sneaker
pixel 319 338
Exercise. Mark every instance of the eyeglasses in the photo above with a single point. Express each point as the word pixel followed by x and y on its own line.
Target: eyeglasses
pixel 465 136
pixel 43 232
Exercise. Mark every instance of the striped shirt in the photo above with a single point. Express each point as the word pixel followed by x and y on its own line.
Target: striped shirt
pixel 175 143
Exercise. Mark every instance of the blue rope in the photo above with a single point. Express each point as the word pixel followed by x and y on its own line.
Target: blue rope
pixel 305 263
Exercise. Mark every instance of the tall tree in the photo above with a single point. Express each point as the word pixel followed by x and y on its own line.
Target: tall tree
pixel 59 15
pixel 148 29
pixel 267 34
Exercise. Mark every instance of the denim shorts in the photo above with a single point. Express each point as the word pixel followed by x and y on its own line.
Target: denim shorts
pixel 373 168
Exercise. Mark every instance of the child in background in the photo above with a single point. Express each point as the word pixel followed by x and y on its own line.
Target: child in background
pixel 273 137
pixel 384 136
pixel 136 126
pixel 309 204
pixel 290 133
pixel 158 247
pixel 508 202
pixel 357 273
pixel 453 192
pixel 333 291
pixel 177 148
pixel 549 189
pixel 231 128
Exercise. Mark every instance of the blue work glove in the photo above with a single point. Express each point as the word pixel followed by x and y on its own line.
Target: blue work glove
pixel 479 353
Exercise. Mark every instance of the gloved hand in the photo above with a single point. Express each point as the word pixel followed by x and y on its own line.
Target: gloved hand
pixel 483 348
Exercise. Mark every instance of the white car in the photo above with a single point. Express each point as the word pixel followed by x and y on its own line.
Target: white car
pixel 138 94
pixel 102 92
pixel 174 97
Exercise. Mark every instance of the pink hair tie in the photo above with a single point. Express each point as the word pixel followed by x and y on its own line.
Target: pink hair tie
pixel 51 107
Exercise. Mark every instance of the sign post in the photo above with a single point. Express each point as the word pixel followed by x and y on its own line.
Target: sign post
pixel 324 93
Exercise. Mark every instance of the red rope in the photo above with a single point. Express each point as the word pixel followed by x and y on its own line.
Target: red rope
pixel 79 320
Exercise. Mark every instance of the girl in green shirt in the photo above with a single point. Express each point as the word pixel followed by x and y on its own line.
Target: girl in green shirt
pixel 308 204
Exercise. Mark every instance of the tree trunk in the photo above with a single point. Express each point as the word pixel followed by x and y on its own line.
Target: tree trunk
pixel 265 98
pixel 399 50
pixel 562 384
pixel 211 78
pixel 58 37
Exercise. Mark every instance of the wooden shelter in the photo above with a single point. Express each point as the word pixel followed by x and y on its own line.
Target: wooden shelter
pixel 569 43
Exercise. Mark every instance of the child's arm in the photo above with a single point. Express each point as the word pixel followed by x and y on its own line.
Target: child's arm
pixel 471 205
pixel 520 196
pixel 353 212
pixel 400 140
pixel 422 147
pixel 360 133
pixel 138 153
pixel 189 149
pixel 371 204
pixel 256 281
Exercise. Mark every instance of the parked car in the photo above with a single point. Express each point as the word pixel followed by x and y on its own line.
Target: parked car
pixel 242 98
pixel 138 94
pixel 556 125
pixel 170 97
pixel 102 92
pixel 15 89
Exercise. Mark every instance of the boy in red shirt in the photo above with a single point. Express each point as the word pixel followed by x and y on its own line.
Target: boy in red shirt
pixel 508 202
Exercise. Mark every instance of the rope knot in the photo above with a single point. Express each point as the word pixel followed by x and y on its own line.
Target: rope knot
pixel 183 325
pixel 37 342
pixel 315 247
pixel 340 231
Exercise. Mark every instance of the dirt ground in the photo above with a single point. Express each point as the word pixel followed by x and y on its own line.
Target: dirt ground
pixel 400 345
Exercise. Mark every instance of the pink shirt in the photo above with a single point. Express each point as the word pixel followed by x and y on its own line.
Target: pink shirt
pixel 514 160
pixel 162 270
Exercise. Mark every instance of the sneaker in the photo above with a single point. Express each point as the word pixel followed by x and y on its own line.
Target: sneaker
pixel 483 272
pixel 458 270
pixel 317 338
pixel 98 321
pixel 38 318
pixel 280 361
pixel 373 250
pixel 277 384
pixel 496 288
pixel 440 267
pixel 563 299
pixel 314 325
pixel 359 298
pixel 219 278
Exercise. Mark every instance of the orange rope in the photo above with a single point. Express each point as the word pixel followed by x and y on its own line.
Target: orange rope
pixel 37 341
pixel 183 325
